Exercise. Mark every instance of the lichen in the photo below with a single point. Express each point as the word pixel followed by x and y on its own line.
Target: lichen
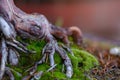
pixel 82 61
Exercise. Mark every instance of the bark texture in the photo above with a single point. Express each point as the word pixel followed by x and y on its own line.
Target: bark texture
pixel 14 22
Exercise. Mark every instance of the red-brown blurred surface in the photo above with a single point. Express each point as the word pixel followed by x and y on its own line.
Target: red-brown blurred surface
pixel 101 18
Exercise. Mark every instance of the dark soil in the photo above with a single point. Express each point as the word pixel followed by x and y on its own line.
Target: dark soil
pixel 109 68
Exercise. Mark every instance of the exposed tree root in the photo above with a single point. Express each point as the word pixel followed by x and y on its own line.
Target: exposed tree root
pixel 14 22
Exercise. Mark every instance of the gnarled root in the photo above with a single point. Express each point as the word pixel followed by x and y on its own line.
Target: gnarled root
pixel 34 26
pixel 63 34
pixel 9 47
pixel 4 55
pixel 67 61
pixel 49 50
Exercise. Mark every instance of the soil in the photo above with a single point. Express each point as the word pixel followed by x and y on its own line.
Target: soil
pixel 109 68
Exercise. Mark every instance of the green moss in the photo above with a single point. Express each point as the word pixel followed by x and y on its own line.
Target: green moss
pixel 82 61
pixel 16 74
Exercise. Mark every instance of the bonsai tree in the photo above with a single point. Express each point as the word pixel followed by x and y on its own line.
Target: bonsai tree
pixel 15 22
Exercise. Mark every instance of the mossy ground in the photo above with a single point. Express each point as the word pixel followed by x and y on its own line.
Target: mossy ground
pixel 82 61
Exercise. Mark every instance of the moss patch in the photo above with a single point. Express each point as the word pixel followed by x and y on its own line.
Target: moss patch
pixel 82 61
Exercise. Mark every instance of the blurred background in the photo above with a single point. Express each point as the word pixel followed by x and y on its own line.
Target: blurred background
pixel 98 19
